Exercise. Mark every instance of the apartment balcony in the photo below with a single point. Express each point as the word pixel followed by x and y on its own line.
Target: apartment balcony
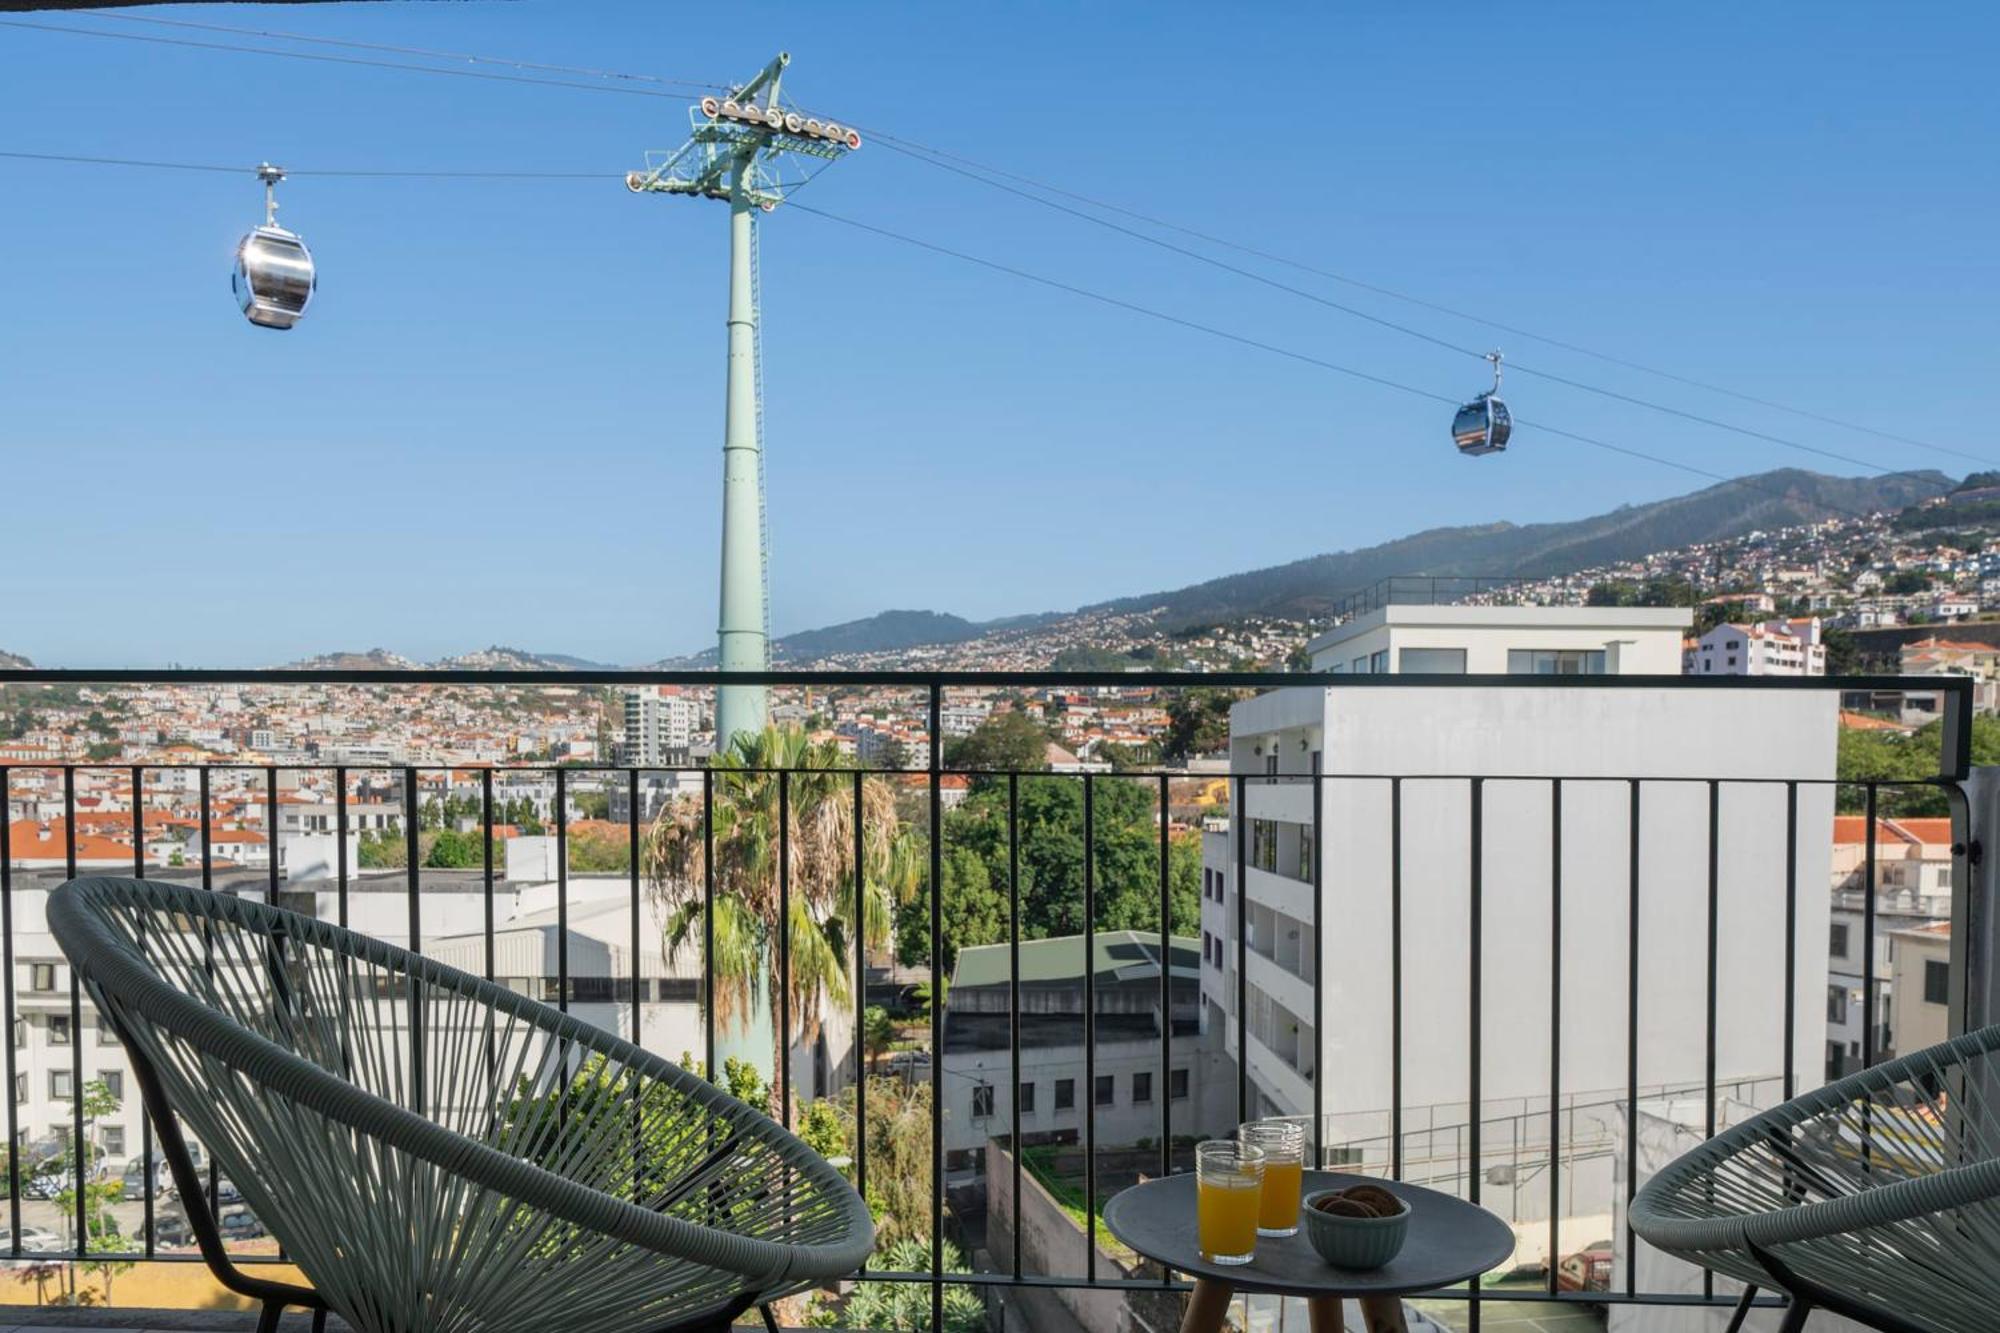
pixel 1458 953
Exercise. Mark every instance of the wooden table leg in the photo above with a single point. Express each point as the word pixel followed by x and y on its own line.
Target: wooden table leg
pixel 1325 1314
pixel 1383 1314
pixel 1207 1306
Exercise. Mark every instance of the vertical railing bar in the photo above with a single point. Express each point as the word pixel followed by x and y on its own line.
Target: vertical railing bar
pixel 486 864
pixel 271 829
pixel 1242 816
pixel 145 1117
pixel 1475 945
pixel 7 991
pixel 936 757
pixel 784 1070
pixel 1165 1090
pixel 861 995
pixel 562 893
pixel 708 924
pixel 1555 1023
pixel 1396 978
pixel 1631 1028
pixel 1089 1031
pixel 638 984
pixel 340 840
pixel 80 1150
pixel 1712 946
pixel 203 791
pixel 1318 1158
pixel 1014 988
pixel 1791 933
pixel 1868 939
pixel 412 876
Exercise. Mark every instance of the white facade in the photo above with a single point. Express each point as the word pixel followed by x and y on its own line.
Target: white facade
pixel 1767 648
pixel 659 727
pixel 1515 739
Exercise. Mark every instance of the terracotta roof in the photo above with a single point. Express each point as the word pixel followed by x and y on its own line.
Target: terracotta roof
pixel 1929 831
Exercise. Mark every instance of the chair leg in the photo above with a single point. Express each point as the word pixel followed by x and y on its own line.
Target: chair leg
pixel 267 1319
pixel 1742 1311
pixel 319 1320
pixel 1795 1316
pixel 770 1320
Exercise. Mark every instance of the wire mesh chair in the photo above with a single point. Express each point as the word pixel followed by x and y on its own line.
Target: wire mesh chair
pixel 436 1153
pixel 1876 1197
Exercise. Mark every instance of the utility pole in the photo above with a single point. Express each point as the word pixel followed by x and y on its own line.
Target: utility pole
pixel 747 149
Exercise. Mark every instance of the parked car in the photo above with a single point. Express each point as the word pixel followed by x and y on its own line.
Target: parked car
pixel 240 1224
pixel 1589 1269
pixel 34 1240
pixel 170 1228
pixel 45 1184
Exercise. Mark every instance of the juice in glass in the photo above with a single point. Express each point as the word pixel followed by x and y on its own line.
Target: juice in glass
pixel 1229 1190
pixel 1283 1141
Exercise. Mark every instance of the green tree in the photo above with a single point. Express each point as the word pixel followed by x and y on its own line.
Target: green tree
pixel 1009 742
pixel 821 1129
pixel 748 841
pixel 592 804
pixel 383 850
pixel 878 1033
pixel 452 850
pixel 1198 723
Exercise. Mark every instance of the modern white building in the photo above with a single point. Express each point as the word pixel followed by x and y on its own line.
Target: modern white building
pixel 1407 756
pixel 660 723
pixel 1764 648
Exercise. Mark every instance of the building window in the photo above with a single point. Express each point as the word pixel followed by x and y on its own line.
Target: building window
pixel 1106 1095
pixel 114 1140
pixel 1065 1094
pixel 1177 1084
pixel 1306 854
pixel 1937 982
pixel 1206 949
pixel 59 1030
pixel 1378 662
pixel 20 1033
pixel 1431 661
pixel 62 1085
pixel 1264 844
pixel 106 1034
pixel 1839 943
pixel 982 1102
pixel 1142 1088
pixel 1027 1099
pixel 1836 1004
pixel 1360 666
pixel 1555 661
pixel 41 976
pixel 114 1082
pixel 20 1088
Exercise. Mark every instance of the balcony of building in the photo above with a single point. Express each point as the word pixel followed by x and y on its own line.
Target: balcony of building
pixel 1437 981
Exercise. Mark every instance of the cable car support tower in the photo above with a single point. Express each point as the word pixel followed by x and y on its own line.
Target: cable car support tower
pixel 749 149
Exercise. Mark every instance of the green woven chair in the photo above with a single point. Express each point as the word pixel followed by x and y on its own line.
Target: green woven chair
pixel 1876 1197
pixel 438 1154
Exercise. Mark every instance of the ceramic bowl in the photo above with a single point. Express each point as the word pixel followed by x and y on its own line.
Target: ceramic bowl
pixel 1356 1243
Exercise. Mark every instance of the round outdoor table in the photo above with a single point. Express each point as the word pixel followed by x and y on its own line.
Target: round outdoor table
pixel 1450 1241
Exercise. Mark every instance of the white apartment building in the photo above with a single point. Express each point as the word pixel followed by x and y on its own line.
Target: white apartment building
pixel 1912 892
pixel 1765 648
pixel 1430 739
pixel 660 724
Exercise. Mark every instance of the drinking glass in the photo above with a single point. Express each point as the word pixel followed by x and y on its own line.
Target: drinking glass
pixel 1229 1185
pixel 1283 1141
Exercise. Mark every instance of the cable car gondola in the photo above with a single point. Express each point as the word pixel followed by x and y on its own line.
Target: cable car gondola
pixel 274 277
pixel 1483 425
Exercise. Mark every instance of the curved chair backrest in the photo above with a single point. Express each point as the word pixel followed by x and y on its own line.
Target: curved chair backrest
pixel 422 1140
pixel 1883 1186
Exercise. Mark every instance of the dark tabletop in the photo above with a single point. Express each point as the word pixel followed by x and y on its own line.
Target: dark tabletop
pixel 1449 1241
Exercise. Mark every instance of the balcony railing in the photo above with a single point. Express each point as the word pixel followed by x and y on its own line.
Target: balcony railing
pixel 1476 1141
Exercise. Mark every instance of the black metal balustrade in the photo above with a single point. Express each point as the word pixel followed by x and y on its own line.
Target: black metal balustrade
pixel 933 688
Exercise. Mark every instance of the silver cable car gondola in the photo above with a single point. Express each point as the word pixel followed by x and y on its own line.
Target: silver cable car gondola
pixel 274 277
pixel 1483 425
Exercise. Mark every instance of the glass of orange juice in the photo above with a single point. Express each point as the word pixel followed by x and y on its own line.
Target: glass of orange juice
pixel 1283 1142
pixel 1229 1188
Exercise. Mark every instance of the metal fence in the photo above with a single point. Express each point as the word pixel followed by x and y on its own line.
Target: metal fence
pixel 931 775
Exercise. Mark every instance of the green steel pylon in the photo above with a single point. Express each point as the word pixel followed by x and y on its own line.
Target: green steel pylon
pixel 749 149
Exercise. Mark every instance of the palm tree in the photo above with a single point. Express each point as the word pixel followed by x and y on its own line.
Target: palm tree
pixel 818 787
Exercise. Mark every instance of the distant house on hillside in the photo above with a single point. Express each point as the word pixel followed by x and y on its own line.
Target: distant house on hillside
pixel 1768 648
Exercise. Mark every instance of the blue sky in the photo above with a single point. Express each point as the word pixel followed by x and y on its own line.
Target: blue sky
pixel 501 421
